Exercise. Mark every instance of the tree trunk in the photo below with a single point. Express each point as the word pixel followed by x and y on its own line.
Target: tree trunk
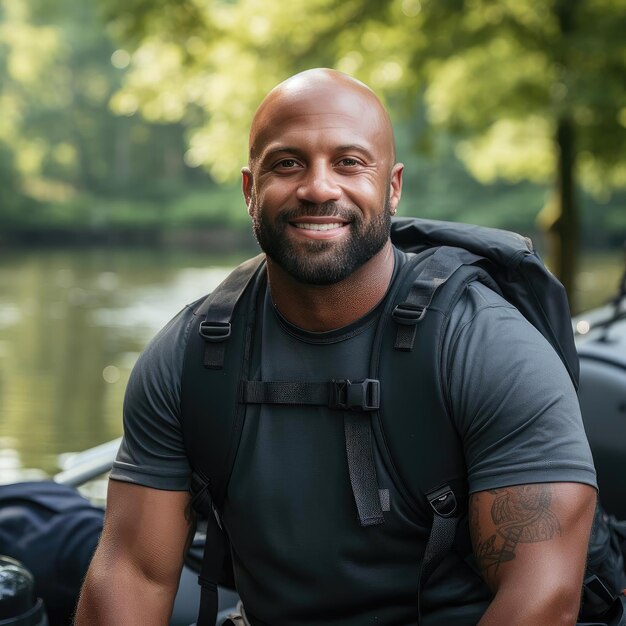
pixel 566 227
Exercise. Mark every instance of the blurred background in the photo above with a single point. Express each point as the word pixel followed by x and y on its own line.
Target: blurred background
pixel 123 126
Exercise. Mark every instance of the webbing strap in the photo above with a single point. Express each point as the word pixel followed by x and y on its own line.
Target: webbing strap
pixel 219 308
pixel 436 270
pixel 214 354
pixel 281 392
pixel 208 604
pixel 357 395
pixel 362 468
pixel 440 542
pixel 212 566
pixel 442 535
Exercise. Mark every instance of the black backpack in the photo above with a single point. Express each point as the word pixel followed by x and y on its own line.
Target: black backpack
pixel 448 256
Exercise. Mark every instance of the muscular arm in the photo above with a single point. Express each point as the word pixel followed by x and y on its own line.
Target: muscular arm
pixel 530 542
pixel 135 571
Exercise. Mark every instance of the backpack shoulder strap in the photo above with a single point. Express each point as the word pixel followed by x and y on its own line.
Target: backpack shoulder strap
pixel 222 346
pixel 514 265
pixel 217 352
pixel 507 263
pixel 218 309
pixel 413 418
pixel 417 439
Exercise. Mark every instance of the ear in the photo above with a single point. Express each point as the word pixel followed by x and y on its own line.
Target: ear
pixel 395 187
pixel 246 186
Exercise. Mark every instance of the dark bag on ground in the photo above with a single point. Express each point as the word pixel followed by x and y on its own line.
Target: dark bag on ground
pixel 53 531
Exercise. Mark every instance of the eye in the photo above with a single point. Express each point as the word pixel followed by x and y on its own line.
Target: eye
pixel 348 162
pixel 287 164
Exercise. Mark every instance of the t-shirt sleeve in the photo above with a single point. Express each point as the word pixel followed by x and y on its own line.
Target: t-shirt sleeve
pixel 512 399
pixel 152 452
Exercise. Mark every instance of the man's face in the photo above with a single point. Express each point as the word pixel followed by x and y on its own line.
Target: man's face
pixel 322 184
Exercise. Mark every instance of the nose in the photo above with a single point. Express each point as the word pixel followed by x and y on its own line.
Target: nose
pixel 318 185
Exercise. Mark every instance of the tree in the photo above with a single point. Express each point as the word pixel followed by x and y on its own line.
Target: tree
pixel 534 89
pixel 61 147
pixel 538 90
pixel 27 54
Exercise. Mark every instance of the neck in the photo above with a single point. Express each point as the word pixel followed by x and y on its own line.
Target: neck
pixel 320 308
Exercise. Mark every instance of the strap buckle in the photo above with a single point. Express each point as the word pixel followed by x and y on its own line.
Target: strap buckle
pixel 443 501
pixel 408 314
pixel 214 331
pixel 355 395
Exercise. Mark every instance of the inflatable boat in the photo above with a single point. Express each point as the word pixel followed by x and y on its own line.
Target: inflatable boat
pixel 601 343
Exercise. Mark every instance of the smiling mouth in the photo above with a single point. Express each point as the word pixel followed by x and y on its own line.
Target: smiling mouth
pixel 313 226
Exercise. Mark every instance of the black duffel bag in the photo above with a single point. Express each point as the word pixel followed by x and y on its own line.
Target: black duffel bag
pixel 53 531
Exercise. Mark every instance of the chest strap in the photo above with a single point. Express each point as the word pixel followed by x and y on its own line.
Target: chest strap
pixel 356 399
pixel 343 395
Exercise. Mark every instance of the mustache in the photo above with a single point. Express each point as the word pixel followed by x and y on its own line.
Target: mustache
pixel 326 209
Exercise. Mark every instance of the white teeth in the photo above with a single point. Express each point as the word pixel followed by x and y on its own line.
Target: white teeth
pixel 307 226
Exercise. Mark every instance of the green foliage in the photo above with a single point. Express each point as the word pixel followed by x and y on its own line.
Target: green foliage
pixel 63 153
pixel 498 72
pixel 113 110
pixel 532 89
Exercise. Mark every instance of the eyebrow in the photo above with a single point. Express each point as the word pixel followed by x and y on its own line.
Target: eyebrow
pixel 353 147
pixel 274 151
pixel 358 148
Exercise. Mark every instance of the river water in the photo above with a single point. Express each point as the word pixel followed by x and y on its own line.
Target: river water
pixel 72 324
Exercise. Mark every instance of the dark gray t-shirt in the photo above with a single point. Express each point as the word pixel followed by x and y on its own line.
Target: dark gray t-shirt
pixel 301 557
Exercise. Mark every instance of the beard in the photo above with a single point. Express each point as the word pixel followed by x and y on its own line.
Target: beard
pixel 321 262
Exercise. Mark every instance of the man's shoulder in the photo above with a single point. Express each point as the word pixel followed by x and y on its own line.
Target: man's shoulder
pixel 482 309
pixel 166 349
pixel 478 297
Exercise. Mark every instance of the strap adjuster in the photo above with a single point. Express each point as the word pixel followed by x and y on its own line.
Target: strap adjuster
pixel 201 499
pixel 443 501
pixel 408 314
pixel 214 331
pixel 355 395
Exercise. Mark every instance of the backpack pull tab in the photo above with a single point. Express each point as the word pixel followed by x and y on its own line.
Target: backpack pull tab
pixel 443 501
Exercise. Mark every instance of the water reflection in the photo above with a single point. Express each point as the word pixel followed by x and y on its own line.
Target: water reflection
pixel 72 324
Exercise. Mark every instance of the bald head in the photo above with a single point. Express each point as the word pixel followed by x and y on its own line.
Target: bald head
pixel 319 92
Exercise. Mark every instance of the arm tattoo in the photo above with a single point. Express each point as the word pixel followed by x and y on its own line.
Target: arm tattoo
pixel 520 514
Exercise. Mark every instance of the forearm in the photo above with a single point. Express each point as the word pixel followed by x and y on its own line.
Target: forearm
pixel 518 608
pixel 123 595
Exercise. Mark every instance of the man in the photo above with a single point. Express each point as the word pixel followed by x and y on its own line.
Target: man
pixel 320 186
